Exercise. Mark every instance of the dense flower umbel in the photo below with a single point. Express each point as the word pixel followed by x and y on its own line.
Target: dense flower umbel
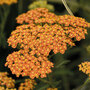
pixel 74 27
pixel 11 89
pixel 42 32
pixel 26 64
pixel 6 81
pixel 38 38
pixel 27 85
pixel 52 89
pixel 3 88
pixel 85 67
pixel 8 2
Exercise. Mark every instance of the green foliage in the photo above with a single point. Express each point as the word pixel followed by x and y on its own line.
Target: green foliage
pixel 41 4
pixel 3 18
pixel 85 86
pixel 65 74
pixel 88 48
pixel 41 86
pixel 75 5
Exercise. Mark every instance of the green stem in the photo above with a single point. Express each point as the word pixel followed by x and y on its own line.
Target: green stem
pixel 1 15
pixel 65 82
pixel 51 80
pixel 45 81
pixel 67 8
pixel 87 80
pixel 5 13
pixel 51 56
pixel 19 81
pixel 20 6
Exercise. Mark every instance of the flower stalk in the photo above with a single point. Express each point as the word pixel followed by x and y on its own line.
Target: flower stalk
pixel 4 15
pixel 67 8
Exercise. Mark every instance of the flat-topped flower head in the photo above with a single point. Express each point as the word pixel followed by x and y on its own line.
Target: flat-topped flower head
pixel 42 15
pixel 26 64
pixel 6 81
pixel 74 27
pixel 29 84
pixel 85 67
pixel 39 33
pixel 8 2
pixel 39 38
pixel 3 88
pixel 52 88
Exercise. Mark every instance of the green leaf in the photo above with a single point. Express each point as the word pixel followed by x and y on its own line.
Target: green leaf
pixel 85 86
pixel 62 71
pixel 55 83
pixel 41 86
pixel 62 63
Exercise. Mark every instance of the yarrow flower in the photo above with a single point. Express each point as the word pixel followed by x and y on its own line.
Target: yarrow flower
pixel 85 67
pixel 74 27
pixel 27 85
pixel 3 88
pixel 6 81
pixel 8 2
pixel 26 64
pixel 42 31
pixel 52 89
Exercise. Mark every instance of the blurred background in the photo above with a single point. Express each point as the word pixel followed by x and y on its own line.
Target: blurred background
pixel 67 76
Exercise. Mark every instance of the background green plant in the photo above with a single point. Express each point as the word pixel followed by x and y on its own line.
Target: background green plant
pixel 65 75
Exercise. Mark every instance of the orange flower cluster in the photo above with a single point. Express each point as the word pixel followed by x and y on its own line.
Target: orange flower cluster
pixel 26 64
pixel 27 85
pixel 3 88
pixel 85 67
pixel 42 32
pixel 6 81
pixel 38 38
pixel 8 2
pixel 52 89
pixel 74 27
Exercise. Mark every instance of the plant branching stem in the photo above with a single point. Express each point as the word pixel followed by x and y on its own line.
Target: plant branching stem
pixel 65 82
pixel 67 8
pixel 45 81
pixel 4 16
pixel 51 56
pixel 1 15
pixel 87 80
pixel 20 6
